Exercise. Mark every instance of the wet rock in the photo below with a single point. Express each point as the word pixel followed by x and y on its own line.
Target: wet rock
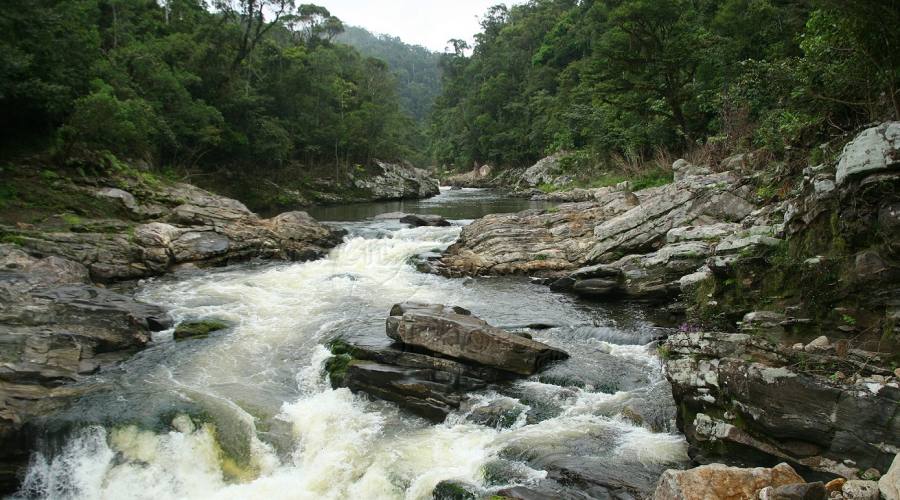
pixel 595 287
pixel 720 481
pixel 874 150
pixel 470 339
pixel 454 490
pixel 743 398
pixel 500 413
pixel 56 329
pixel 201 328
pixel 416 220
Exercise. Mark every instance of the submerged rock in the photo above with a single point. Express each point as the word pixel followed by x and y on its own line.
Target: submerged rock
pixel 417 220
pixel 199 328
pixel 722 482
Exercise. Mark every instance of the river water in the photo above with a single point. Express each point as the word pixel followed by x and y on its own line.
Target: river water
pixel 247 412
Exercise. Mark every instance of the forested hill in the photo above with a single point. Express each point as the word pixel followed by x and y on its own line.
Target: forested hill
pixel 416 68
pixel 246 86
pixel 630 79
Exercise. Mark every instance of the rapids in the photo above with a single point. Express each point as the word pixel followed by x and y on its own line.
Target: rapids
pixel 248 413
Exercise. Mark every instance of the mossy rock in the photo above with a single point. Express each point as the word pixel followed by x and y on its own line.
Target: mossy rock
pixel 453 490
pixel 201 328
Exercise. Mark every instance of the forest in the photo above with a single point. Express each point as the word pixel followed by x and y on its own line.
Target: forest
pixel 189 83
pixel 628 80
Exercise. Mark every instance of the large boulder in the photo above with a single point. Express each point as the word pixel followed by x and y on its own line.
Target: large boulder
pixel 615 223
pixel 889 484
pixel 438 354
pixel 876 149
pixel 467 338
pixel 545 171
pixel 57 329
pixel 393 181
pixel 722 482
pixel 191 226
pixel 744 399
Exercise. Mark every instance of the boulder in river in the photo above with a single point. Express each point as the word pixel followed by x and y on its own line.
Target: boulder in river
pixel 467 338
pixel 419 220
pixel 439 354
pixel 722 482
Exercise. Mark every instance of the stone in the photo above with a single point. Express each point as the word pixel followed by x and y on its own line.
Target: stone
pixel 889 484
pixel 682 169
pixel 817 344
pixel 860 490
pixel 743 397
pixel 763 321
pixel 722 482
pixel 798 491
pixel 835 485
pixel 417 220
pixel 711 232
pixel 545 171
pixel 595 287
pixel 873 150
pixel 470 339
pixel 201 328
pixel 124 197
pixel 393 181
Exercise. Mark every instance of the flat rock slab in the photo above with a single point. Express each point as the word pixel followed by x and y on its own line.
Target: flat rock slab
pixel 461 336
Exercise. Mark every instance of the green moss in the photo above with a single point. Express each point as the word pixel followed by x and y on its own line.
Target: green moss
pixel 200 328
pixel 540 256
pixel 336 368
pixel 452 490
pixel 71 219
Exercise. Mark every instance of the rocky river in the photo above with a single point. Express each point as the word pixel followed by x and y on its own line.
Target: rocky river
pixel 247 412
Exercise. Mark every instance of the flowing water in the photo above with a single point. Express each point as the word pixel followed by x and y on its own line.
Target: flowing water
pixel 248 413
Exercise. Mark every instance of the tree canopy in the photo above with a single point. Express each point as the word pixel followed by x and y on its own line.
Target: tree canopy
pixel 222 82
pixel 631 77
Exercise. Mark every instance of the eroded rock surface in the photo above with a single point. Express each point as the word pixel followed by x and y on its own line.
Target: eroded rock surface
pixel 744 399
pixel 178 224
pixel 439 354
pixel 722 482
pixel 57 328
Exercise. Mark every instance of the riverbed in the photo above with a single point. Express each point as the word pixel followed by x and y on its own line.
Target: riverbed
pixel 247 412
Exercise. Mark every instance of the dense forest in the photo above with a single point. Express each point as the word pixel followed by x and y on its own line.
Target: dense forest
pixel 627 80
pixel 189 83
pixel 415 68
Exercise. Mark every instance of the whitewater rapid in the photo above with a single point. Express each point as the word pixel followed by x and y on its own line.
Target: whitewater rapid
pixel 248 413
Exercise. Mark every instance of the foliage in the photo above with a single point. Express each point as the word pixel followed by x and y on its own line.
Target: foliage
pixel 233 84
pixel 607 79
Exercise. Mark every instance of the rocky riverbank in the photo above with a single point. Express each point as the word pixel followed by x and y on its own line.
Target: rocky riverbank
pixel 809 278
pixel 60 324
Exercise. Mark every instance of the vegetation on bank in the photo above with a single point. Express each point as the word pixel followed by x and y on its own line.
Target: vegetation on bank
pixel 632 82
pixel 238 88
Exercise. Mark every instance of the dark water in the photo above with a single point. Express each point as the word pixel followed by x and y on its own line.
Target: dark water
pixel 461 204
pixel 248 413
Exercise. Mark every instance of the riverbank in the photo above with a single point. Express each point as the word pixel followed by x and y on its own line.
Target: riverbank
pixel 809 280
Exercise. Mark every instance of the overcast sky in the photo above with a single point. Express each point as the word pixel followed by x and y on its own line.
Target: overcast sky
pixel 420 22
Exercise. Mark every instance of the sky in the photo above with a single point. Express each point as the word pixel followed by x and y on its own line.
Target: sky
pixel 429 23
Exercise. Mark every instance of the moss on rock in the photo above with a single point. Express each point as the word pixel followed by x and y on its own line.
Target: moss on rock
pixel 201 328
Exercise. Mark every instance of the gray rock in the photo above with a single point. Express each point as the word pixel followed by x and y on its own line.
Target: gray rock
pixel 595 287
pixel 417 220
pixel 470 339
pixel 743 397
pixel 860 490
pixel 800 491
pixel 683 169
pixel 545 171
pixel 398 182
pixel 873 150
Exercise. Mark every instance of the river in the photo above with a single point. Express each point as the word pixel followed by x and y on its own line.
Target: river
pixel 247 412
